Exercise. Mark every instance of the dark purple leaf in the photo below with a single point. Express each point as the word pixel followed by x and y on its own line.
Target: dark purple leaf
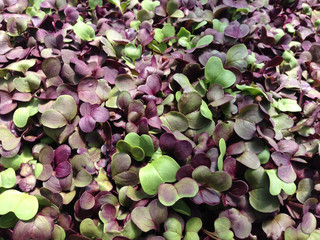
pixel 62 153
pixel 200 159
pixel 237 30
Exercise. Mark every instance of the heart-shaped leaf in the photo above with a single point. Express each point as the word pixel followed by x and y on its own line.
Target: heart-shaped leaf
pixel 175 121
pixel 89 229
pixel 144 141
pixel 21 66
pixel 240 224
pixel 193 226
pixel 173 227
pixel 162 169
pixel 222 228
pixel 169 194
pixel 275 227
pixel 150 217
pixel 8 140
pixel 53 119
pixel 189 102
pixel 287 105
pixel 215 73
pixel 236 57
pixel 132 51
pixel 29 83
pixel 40 227
pixel 16 202
pixel 276 185
pixel 84 31
pixel 66 105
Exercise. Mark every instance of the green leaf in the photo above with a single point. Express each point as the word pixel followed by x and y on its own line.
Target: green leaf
pixel 264 155
pixel 16 202
pixel 177 14
pixel 205 40
pixel 287 105
pixel 22 114
pixel 29 83
pixel 66 105
pixel 58 233
pixel 189 102
pixel 173 228
pixel 53 119
pixel 149 4
pixel 167 31
pixel 8 220
pixel 205 111
pixel 161 170
pixel 175 121
pixel 276 184
pixel 193 226
pixel 181 207
pixel 8 140
pixel 215 73
pixel 305 187
pixel 261 200
pixel 222 148
pixel 20 117
pixel 94 3
pixel 218 25
pixel 184 82
pixel 83 178
pixel 184 42
pixel 132 51
pixel 236 57
pixel 288 56
pixel 89 229
pixel 222 228
pixel 7 178
pixel 183 33
pixel 21 66
pixel 172 6
pixel 84 31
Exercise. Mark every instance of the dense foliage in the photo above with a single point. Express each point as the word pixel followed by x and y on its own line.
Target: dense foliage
pixel 169 119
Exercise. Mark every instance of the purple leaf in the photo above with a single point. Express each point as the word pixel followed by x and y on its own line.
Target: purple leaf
pixel 6 104
pixel 150 217
pixel 71 14
pixel 239 222
pixel 200 159
pixel 87 201
pixel 63 169
pixel 87 124
pixel 40 227
pixel 244 129
pixel 207 196
pixel 100 114
pixel 62 153
pixel 236 30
